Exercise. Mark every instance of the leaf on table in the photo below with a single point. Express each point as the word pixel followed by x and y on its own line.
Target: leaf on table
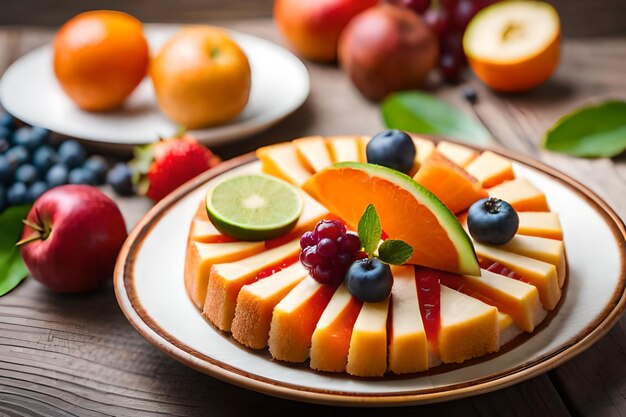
pixel 422 113
pixel 12 268
pixel 592 131
pixel 369 230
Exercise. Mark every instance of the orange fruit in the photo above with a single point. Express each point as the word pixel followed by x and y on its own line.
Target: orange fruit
pixel 100 57
pixel 449 182
pixel 513 46
pixel 407 211
pixel 201 77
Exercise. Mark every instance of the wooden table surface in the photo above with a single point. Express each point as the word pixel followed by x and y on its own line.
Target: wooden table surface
pixel 77 355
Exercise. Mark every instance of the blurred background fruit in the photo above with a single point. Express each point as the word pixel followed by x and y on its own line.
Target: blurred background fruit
pixel 312 28
pixel 99 58
pixel 201 77
pixel 387 49
pixel 514 46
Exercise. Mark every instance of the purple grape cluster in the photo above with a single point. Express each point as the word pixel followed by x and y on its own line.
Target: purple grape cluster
pixel 328 251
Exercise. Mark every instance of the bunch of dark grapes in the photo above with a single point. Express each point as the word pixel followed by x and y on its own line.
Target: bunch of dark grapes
pixel 328 251
pixel 448 19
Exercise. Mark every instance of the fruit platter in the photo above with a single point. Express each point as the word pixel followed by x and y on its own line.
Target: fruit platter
pixel 395 269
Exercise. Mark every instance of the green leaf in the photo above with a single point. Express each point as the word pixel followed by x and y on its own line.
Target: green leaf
pixel 422 113
pixel 12 268
pixel 369 230
pixel 592 131
pixel 395 252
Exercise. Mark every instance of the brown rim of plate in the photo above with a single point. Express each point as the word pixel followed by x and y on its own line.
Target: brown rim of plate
pixel 153 333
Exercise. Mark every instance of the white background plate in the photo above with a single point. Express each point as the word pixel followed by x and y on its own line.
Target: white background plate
pixel 30 92
pixel 150 290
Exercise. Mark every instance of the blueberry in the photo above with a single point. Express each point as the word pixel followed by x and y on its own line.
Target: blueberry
pixel 6 120
pixel 42 134
pixel 44 158
pixel 3 199
pixel 72 154
pixel 393 149
pixel 82 176
pixel 369 280
pixel 28 137
pixel 27 174
pixel 36 190
pixel 17 194
pixel 57 175
pixel 470 95
pixel 120 179
pixel 4 145
pixel 17 155
pixel 5 133
pixel 99 167
pixel 492 221
pixel 6 170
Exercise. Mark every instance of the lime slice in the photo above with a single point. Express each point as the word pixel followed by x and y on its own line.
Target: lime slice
pixel 254 207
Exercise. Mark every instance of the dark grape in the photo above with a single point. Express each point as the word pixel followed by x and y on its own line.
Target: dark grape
pixel 438 20
pixel 349 243
pixel 331 229
pixel 327 248
pixel 450 66
pixel 307 239
pixel 464 12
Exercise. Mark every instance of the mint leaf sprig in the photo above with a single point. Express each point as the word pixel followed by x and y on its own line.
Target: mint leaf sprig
pixel 391 251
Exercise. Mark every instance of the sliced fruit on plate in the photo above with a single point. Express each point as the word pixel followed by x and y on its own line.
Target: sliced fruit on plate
pixel 423 148
pixel 226 280
pixel 513 297
pixel 541 224
pixel 200 258
pixel 540 274
pixel 313 152
pixel 408 345
pixel 256 302
pixel 407 212
pixel 294 319
pixel 547 250
pixel 254 207
pixel 521 194
pixel 344 148
pixel 204 231
pixel 490 169
pixel 449 182
pixel 282 161
pixel 469 327
pixel 459 154
pixel 368 344
pixel 331 339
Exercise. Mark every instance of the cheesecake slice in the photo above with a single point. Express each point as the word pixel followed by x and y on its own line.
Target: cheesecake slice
pixel 226 279
pixel 408 345
pixel 294 319
pixel 256 302
pixel 331 339
pixel 368 345
pixel 541 224
pixel 521 194
pixel 469 328
pixel 459 154
pixel 202 256
pixel 282 161
pixel 513 297
pixel 538 273
pixel 547 250
pixel 363 141
pixel 491 169
pixel 204 231
pixel 313 153
pixel 344 148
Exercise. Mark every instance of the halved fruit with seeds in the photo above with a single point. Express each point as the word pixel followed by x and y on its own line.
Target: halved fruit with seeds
pixel 437 238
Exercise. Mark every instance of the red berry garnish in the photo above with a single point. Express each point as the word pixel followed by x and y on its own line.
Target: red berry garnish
pixel 328 251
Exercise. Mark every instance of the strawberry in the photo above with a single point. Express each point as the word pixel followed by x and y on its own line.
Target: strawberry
pixel 161 167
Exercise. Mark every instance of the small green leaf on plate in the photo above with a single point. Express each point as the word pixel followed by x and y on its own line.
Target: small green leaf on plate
pixel 592 131
pixel 395 252
pixel 12 268
pixel 422 113
pixel 369 230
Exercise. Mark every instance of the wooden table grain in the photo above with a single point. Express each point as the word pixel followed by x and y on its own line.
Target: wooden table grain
pixel 77 355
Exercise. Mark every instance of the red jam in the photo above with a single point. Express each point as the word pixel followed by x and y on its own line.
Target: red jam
pixel 498 268
pixel 429 296
pixel 276 267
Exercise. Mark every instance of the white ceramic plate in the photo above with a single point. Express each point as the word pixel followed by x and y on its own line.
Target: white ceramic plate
pixel 150 291
pixel 30 92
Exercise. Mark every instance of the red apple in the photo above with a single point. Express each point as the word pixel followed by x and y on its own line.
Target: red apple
pixel 312 27
pixel 387 48
pixel 71 238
